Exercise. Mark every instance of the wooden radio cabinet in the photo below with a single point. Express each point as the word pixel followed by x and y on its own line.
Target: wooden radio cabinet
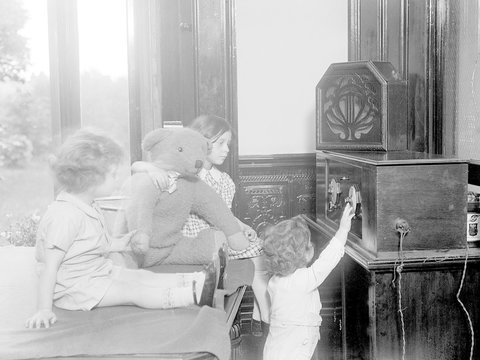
pixel 361 105
pixel 428 191
pixel 400 294
pixel 423 276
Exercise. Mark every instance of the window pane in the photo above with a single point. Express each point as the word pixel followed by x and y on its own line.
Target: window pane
pixel 26 187
pixel 102 33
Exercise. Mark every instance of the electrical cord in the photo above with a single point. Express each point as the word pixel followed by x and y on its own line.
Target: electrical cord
pixel 402 227
pixel 472 333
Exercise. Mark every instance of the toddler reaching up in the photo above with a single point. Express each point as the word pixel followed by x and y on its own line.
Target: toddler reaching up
pixel 295 302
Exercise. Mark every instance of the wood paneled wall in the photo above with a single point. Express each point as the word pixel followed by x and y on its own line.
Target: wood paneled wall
pixel 419 37
pixel 434 323
pixel 274 188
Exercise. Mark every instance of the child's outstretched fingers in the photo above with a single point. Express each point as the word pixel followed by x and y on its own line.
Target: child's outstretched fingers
pixel 348 214
pixel 349 210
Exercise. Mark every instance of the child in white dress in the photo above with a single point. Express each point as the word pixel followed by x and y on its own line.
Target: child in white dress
pixel 72 246
pixel 295 302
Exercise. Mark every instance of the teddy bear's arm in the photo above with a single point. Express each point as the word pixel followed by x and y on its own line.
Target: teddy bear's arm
pixel 211 207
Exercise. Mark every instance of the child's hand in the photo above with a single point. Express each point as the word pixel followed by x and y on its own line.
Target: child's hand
pixel 249 233
pixel 160 179
pixel 140 243
pixel 43 317
pixel 120 244
pixel 346 220
pixel 158 176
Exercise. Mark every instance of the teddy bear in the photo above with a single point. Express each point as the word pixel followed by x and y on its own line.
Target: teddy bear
pixel 158 216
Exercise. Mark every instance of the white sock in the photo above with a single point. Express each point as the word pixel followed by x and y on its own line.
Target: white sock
pixel 186 279
pixel 199 282
pixel 176 297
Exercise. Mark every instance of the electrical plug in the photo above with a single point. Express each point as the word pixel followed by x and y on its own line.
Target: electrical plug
pixel 401 226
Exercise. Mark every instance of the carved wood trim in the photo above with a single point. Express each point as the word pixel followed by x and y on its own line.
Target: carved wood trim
pixel 426 57
pixel 144 75
pixel 354 30
pixel 64 67
pixel 215 74
pixel 404 39
pixel 273 188
pixel 382 29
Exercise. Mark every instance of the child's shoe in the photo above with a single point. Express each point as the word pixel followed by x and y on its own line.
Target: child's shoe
pixel 265 328
pixel 257 328
pixel 208 288
pixel 222 257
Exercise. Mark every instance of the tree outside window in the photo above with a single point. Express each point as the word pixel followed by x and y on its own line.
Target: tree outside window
pixel 26 130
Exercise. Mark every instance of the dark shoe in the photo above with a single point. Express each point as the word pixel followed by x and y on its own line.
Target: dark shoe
pixel 235 332
pixel 257 328
pixel 265 328
pixel 222 256
pixel 209 286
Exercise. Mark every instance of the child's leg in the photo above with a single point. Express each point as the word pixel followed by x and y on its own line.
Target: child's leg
pixel 199 250
pixel 124 259
pixel 291 342
pixel 123 292
pixel 261 304
pixel 160 291
pixel 166 280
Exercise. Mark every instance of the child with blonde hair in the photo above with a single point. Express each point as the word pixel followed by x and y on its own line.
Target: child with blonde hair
pixel 73 244
pixel 295 302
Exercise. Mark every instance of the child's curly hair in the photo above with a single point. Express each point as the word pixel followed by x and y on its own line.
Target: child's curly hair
pixel 286 246
pixel 84 159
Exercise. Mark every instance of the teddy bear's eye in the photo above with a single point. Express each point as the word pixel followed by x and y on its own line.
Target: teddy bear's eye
pixel 180 149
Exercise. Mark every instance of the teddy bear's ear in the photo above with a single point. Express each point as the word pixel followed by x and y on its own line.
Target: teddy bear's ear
pixel 154 137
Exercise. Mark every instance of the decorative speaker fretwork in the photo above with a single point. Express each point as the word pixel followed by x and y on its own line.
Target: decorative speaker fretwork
pixel 361 106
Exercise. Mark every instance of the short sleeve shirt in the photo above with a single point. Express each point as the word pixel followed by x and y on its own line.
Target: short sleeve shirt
pixel 80 231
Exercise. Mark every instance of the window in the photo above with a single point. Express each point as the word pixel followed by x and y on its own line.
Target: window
pixel 104 70
pixel 88 81
pixel 26 187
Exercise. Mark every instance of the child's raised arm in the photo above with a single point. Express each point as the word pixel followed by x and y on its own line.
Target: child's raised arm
pixel 331 255
pixel 345 223
pixel 46 284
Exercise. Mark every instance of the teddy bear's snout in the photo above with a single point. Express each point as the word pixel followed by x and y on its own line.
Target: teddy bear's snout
pixel 198 164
